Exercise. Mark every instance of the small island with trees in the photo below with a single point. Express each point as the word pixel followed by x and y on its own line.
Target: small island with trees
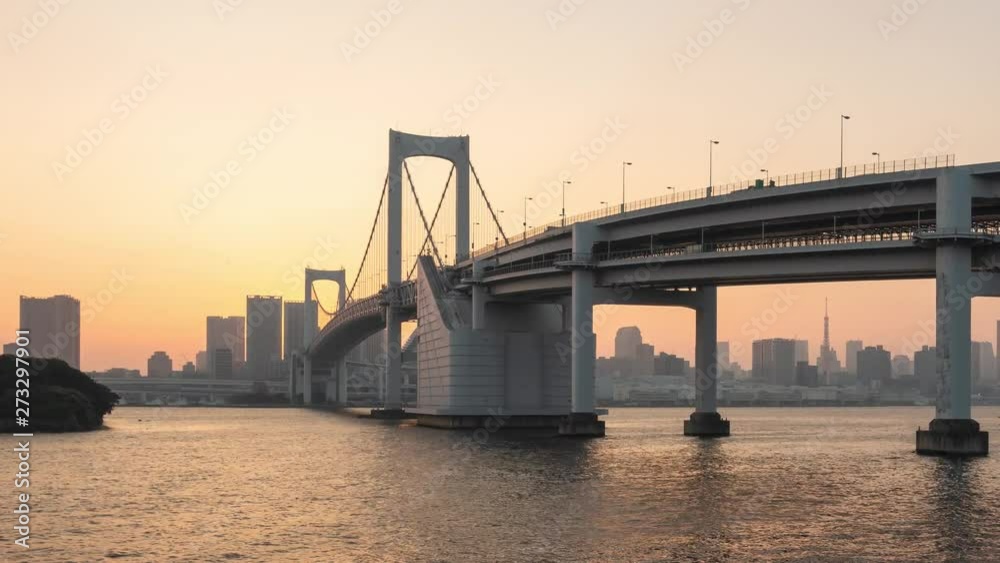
pixel 61 398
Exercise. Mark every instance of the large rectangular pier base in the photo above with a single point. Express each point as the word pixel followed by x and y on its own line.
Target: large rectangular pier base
pixel 489 421
pixel 958 438
pixel 581 425
pixel 706 425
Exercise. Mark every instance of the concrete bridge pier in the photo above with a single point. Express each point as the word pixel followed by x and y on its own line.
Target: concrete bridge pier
pixel 582 420
pixel 953 432
pixel 705 421
pixel 307 380
pixel 392 403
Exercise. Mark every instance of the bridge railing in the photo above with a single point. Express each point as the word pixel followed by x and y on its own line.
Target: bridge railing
pixel 823 175
pixel 845 236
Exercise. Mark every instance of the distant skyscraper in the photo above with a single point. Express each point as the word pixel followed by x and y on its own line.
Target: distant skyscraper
pixel 228 333
pixel 722 355
pixel 827 363
pixel 851 358
pixel 54 323
pixel 295 315
pixel 806 375
pixel 997 348
pixel 874 366
pixel 159 365
pixel 982 365
pixel 188 370
pixel 925 370
pixel 222 363
pixel 801 351
pixel 201 362
pixel 774 361
pixel 263 336
pixel 644 360
pixel 627 341
pixel 10 349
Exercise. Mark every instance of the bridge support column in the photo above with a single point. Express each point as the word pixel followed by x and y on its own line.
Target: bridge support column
pixel 582 420
pixel 953 431
pixel 291 378
pixel 342 382
pixel 478 298
pixel 307 381
pixel 392 404
pixel 706 421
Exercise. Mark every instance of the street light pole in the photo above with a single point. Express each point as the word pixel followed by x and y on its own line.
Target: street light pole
pixel 624 164
pixel 525 224
pixel 565 182
pixel 767 175
pixel 711 145
pixel 843 118
pixel 878 160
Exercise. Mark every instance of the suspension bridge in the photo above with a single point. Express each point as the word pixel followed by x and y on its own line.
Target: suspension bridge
pixel 508 328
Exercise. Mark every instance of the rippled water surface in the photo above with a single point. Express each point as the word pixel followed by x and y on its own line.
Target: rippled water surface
pixel 190 484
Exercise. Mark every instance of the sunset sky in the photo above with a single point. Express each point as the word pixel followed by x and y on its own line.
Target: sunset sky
pixel 179 86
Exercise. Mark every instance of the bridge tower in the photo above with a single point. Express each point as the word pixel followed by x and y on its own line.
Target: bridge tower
pixel 309 328
pixel 403 146
pixel 953 430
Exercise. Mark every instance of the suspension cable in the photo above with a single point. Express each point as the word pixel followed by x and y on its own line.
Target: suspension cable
pixel 371 235
pixel 413 188
pixel 488 206
pixel 447 184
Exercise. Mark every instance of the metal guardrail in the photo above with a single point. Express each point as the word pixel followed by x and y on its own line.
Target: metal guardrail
pixel 823 175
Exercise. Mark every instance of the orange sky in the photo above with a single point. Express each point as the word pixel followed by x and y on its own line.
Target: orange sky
pixel 167 94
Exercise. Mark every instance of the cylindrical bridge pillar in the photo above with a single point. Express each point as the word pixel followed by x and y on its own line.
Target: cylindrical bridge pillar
pixel 705 362
pixel 953 431
pixel 582 341
pixel 706 421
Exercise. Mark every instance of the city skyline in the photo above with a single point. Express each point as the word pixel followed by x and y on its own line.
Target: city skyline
pixel 329 151
pixel 231 331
